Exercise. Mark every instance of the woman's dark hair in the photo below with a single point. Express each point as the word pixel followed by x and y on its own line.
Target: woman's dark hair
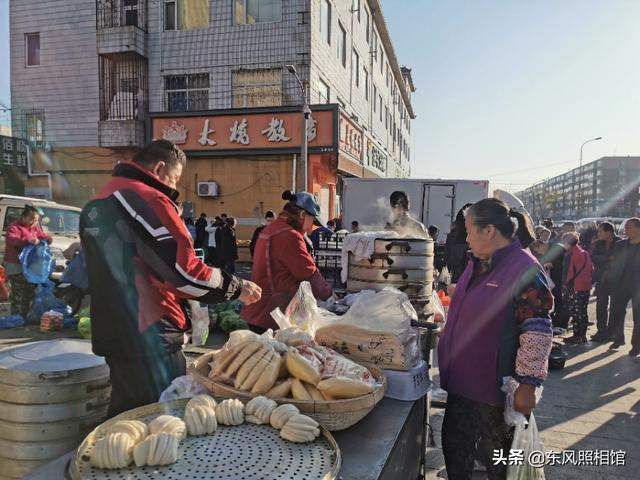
pixel 291 210
pixel 571 238
pixel 399 199
pixel 269 214
pixel 607 227
pixel 160 151
pixel 28 210
pixel 492 211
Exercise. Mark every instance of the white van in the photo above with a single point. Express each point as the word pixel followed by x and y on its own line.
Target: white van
pixel 62 222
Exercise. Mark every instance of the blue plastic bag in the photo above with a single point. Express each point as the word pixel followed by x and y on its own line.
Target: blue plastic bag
pixel 37 262
pixel 11 321
pixel 43 301
pixel 76 273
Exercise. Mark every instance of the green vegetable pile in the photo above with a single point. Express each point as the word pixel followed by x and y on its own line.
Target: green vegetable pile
pixel 84 325
pixel 229 320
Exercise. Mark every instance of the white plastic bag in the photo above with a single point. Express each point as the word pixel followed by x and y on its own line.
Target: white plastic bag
pixel 182 387
pixel 302 312
pixel 199 323
pixel 439 314
pixel 509 387
pixel 445 276
pixel 526 439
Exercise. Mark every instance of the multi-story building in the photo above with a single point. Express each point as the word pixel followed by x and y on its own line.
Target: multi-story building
pixel 93 80
pixel 609 186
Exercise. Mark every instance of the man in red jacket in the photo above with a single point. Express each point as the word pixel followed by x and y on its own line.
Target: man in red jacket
pixel 142 267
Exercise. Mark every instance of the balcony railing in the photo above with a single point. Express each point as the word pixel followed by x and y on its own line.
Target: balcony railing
pixel 121 13
pixel 124 93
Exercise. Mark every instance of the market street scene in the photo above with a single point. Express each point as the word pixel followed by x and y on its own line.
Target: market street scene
pixel 319 240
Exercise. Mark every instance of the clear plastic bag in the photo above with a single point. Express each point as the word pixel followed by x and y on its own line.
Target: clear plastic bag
pixel 182 387
pixel 439 314
pixel 509 387
pixel 301 313
pixel 199 322
pixel 526 439
pixel 445 276
pixel 376 330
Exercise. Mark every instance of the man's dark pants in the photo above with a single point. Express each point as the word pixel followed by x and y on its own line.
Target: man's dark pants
pixel 604 294
pixel 138 381
pixel 619 301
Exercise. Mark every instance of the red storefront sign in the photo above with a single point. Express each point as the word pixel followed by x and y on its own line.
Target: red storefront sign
pixel 350 137
pixel 248 130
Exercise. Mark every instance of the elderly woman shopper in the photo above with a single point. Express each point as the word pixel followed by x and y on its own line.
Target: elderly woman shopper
pixel 24 231
pixel 281 261
pixel 498 326
pixel 576 286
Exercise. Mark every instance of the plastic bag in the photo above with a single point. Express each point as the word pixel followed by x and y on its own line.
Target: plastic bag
pixel 37 263
pixel 76 273
pixel 302 312
pixel 11 321
pixel 526 439
pixel 439 314
pixel 445 276
pixel 509 387
pixel 43 300
pixel 182 387
pixel 51 321
pixel 199 322
pixel 376 330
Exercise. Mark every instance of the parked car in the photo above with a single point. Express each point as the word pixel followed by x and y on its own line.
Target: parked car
pixel 62 222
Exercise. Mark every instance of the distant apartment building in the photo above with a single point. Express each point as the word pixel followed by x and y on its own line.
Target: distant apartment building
pixel 607 187
pixel 93 80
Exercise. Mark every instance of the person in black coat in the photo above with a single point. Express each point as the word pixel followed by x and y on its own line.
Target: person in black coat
pixel 201 232
pixel 226 245
pixel 268 218
pixel 625 275
pixel 456 246
pixel 602 256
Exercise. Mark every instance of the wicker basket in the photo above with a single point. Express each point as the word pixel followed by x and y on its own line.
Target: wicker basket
pixel 334 415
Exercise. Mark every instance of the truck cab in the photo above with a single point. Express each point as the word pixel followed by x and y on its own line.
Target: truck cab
pixel 62 222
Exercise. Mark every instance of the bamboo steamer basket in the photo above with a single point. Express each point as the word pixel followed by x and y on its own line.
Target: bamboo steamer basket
pixel 333 415
pixel 52 393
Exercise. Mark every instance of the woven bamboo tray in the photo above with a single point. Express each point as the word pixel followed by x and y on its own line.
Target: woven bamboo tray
pixel 244 452
pixel 334 415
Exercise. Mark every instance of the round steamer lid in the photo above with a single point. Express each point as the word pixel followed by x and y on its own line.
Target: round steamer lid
pixel 50 356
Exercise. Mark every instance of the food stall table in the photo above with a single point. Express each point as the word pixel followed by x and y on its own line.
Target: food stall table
pixel 385 445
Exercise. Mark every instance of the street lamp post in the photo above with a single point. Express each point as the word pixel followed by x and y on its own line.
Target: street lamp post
pixel 581 147
pixel 306 113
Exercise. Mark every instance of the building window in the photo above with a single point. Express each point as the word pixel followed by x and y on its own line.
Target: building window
pixel 380 98
pixel 386 117
pixel 366 83
pixel 32 49
pixel 257 88
pixel 367 26
pixel 325 20
pixel 342 45
pixel 186 14
pixel 34 127
pixel 374 46
pixel 355 67
pixel 375 97
pixel 258 11
pixel 388 78
pixel 356 8
pixel 381 59
pixel 324 94
pixel 187 92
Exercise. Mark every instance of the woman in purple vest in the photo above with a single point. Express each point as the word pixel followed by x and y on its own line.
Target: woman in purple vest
pixel 498 326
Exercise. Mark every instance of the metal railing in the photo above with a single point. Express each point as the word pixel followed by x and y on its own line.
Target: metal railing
pixel 121 13
pixel 124 92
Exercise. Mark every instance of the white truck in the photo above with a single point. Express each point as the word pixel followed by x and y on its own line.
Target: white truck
pixel 433 202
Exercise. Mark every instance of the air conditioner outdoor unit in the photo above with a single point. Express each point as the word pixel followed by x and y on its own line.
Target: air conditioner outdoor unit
pixel 207 189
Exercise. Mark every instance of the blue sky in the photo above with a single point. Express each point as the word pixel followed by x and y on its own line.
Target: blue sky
pixel 507 90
